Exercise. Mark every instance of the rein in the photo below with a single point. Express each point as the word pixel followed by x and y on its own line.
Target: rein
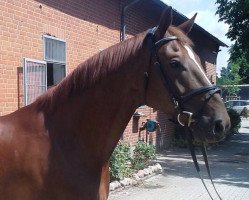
pixel 179 101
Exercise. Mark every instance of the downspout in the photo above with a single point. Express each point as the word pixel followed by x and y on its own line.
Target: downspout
pixel 123 25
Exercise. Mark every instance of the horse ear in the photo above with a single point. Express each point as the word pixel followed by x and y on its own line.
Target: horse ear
pixel 165 22
pixel 187 26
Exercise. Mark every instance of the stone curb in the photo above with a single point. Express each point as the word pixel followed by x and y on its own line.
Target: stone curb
pixel 137 177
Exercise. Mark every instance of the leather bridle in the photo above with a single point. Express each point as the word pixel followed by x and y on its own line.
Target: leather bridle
pixel 180 100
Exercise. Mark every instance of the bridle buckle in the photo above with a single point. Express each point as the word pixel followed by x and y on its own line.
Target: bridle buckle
pixel 175 103
pixel 190 118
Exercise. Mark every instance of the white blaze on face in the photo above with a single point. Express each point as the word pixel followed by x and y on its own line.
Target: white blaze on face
pixel 192 56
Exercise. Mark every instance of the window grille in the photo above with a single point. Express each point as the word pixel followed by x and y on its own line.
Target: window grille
pixel 54 49
pixel 55 56
pixel 34 79
pixel 36 73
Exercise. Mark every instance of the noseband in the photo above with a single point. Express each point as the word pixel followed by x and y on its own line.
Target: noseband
pixel 180 100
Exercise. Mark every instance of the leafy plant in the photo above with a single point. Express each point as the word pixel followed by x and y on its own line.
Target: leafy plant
pixel 245 112
pixel 229 79
pixel 235 121
pixel 120 162
pixel 243 63
pixel 180 139
pixel 143 153
pixel 235 15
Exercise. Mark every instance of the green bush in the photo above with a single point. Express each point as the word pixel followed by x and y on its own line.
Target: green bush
pixel 180 139
pixel 143 153
pixel 120 162
pixel 244 112
pixel 235 121
pixel 179 142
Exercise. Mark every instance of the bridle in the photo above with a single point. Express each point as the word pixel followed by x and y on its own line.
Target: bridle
pixel 180 100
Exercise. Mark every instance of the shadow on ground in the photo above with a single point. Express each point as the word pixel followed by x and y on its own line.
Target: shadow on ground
pixel 229 162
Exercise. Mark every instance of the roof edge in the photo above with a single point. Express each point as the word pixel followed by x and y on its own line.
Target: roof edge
pixel 162 4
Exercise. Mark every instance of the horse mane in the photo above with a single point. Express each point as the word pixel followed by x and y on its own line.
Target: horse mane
pixel 94 69
pixel 88 73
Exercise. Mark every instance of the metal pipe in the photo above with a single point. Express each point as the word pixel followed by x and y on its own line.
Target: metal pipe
pixel 123 25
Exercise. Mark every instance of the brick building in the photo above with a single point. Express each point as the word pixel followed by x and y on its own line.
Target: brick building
pixel 43 40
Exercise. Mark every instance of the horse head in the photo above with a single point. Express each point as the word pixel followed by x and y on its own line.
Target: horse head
pixel 177 82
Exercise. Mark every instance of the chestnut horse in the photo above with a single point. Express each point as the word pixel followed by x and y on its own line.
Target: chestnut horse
pixel 58 147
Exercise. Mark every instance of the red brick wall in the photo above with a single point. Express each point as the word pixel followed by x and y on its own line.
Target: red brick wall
pixel 161 137
pixel 87 26
pixel 24 22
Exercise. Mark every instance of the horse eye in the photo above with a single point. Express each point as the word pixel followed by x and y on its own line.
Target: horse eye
pixel 175 64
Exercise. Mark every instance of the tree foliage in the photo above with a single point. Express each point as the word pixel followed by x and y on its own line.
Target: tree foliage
pixel 243 64
pixel 235 13
pixel 230 77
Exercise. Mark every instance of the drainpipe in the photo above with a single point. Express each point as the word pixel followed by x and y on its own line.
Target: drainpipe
pixel 123 25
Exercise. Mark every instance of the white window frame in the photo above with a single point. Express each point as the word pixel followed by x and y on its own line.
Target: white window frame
pixel 25 81
pixel 55 61
pixel 43 62
pixel 44 49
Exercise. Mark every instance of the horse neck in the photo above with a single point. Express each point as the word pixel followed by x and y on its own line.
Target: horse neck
pixel 101 112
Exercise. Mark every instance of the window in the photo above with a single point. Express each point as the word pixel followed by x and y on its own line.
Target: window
pixel 55 73
pixel 39 75
pixel 54 49
pixel 55 56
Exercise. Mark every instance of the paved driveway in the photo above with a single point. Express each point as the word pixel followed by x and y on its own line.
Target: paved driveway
pixel 229 165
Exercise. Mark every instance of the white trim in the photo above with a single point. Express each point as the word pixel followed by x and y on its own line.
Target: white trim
pixel 44 49
pixel 52 61
pixel 54 38
pixel 34 60
pixel 245 85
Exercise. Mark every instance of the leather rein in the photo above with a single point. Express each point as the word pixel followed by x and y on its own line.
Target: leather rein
pixel 179 101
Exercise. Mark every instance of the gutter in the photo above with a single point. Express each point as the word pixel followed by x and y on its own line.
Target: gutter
pixel 123 25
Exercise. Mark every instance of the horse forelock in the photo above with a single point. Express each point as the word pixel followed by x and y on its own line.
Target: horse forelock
pixel 181 36
pixel 88 73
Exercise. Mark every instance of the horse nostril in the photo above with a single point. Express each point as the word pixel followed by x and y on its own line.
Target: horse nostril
pixel 218 127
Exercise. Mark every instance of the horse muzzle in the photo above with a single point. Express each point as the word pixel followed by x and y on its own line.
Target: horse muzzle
pixel 210 130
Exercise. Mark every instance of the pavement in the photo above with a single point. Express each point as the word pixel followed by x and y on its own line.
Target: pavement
pixel 229 163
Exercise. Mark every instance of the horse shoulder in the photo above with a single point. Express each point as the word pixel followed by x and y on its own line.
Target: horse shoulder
pixel 24 149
